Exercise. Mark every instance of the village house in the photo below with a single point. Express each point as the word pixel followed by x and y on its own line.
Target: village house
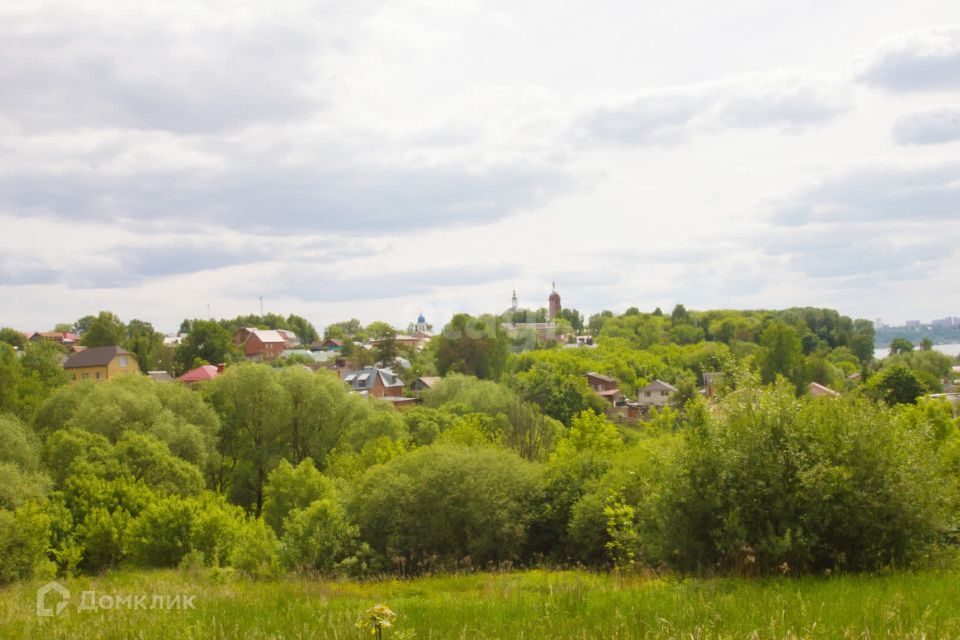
pixel 604 385
pixel 656 394
pixel 374 382
pixel 65 338
pixel 202 373
pixel 423 383
pixel 260 344
pixel 101 363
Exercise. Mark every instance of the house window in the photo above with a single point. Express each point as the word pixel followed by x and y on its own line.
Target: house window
pixel 74 377
pixel 646 394
pixel 123 361
pixel 98 375
pixel 85 375
pixel 663 393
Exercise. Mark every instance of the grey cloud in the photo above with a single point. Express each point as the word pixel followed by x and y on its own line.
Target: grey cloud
pixel 64 67
pixel 21 270
pixel 653 119
pixel 310 283
pixel 878 195
pixel 933 126
pixel 790 103
pixel 276 200
pixel 921 61
pixel 857 250
pixel 669 116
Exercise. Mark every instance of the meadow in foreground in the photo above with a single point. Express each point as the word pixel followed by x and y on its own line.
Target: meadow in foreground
pixel 530 604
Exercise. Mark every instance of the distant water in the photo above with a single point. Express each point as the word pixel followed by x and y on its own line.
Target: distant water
pixel 952 349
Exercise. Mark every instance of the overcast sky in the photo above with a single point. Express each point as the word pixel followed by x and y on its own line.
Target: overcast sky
pixel 366 159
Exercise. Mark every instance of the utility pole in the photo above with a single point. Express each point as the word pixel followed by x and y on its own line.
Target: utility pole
pixel 261 306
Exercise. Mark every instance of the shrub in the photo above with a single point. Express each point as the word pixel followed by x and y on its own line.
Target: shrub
pixel 24 539
pixel 767 481
pixel 256 553
pixel 439 504
pixel 289 488
pixel 318 537
pixel 162 534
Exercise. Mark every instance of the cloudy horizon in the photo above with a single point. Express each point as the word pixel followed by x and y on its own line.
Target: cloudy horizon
pixel 373 160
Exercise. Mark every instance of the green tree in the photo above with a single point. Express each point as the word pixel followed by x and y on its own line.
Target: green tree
pixel 83 325
pixel 926 344
pixel 472 346
pixel 896 385
pixel 781 353
pixel 439 504
pixel 107 330
pixel 318 537
pixel 13 337
pixel 254 413
pixel 900 345
pixel 207 342
pixel 145 343
pixel 303 328
pixel 290 488
pixel 386 350
pixel 861 340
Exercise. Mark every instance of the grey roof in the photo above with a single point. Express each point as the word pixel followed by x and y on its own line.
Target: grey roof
pixel 659 385
pixel 95 357
pixel 364 378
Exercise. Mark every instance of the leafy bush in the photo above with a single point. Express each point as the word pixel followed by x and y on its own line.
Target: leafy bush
pixel 290 488
pixel 767 481
pixel 319 537
pixel 440 504
pixel 256 553
pixel 162 534
pixel 24 539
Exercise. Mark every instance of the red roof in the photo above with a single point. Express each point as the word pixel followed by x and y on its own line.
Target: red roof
pixel 201 373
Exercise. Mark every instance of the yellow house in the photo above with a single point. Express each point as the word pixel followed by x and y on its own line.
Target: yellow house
pixel 101 363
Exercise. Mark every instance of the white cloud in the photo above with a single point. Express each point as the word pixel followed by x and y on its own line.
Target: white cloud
pixel 930 126
pixel 923 60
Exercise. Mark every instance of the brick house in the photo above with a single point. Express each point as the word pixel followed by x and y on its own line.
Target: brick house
pixel 260 344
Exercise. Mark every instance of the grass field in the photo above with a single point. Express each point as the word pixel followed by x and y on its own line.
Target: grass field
pixel 531 604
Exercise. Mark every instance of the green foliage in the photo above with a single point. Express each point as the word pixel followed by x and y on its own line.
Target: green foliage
pixel 472 346
pixel 144 342
pixel 13 338
pixel 560 395
pixel 290 488
pixel 439 505
pixel 107 330
pixel 257 552
pixel 781 354
pixel 318 537
pixel 24 538
pixel 161 535
pixel 770 479
pixel 896 385
pixel 900 345
pixel 254 414
pixel 207 342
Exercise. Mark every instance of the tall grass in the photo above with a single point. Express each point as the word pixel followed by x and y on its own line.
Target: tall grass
pixel 531 604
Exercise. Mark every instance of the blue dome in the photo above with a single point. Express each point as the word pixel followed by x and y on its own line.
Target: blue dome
pixel 421 319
